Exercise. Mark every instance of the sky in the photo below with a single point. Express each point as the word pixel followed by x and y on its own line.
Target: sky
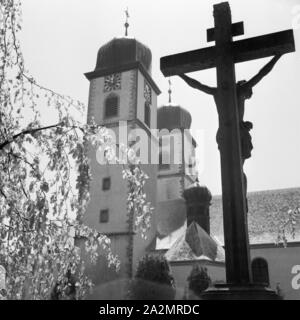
pixel 60 40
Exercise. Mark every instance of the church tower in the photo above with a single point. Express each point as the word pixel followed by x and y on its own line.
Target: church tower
pixel 177 165
pixel 121 89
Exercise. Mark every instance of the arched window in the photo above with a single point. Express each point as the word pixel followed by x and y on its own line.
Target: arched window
pixel 147 114
pixel 111 106
pixel 260 271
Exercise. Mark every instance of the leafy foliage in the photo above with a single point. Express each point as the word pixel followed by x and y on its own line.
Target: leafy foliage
pixel 198 280
pixel 287 225
pixel 153 280
pixel 44 179
pixel 136 201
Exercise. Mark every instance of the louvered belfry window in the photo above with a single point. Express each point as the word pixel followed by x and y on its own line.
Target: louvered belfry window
pixel 111 108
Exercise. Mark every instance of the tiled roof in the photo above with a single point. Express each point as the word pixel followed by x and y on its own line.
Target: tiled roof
pixel 266 208
pixel 195 244
pixel 168 241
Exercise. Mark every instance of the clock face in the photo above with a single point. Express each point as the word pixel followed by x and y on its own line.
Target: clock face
pixel 112 82
pixel 147 93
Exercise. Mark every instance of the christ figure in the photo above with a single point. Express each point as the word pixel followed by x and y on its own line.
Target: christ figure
pixel 244 91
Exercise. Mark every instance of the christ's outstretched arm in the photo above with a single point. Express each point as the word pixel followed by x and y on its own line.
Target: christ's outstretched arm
pixel 198 85
pixel 263 72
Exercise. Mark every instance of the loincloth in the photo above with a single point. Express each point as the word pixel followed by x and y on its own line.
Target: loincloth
pixel 246 139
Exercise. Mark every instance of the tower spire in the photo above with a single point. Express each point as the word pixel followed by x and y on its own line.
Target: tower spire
pixel 126 22
pixel 170 91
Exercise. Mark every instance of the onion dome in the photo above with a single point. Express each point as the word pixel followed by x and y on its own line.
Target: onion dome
pixel 173 117
pixel 123 51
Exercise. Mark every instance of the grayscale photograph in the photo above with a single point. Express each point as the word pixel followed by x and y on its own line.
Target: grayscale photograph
pixel 149 150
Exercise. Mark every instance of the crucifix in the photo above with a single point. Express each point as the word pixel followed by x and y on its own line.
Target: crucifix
pixel 231 142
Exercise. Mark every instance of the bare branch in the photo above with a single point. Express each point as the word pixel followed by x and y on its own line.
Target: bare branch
pixel 25 132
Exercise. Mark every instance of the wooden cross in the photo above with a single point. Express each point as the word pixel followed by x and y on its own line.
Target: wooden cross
pixel 223 57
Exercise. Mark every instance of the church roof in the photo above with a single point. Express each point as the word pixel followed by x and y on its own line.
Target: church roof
pixel 195 244
pixel 123 54
pixel 173 117
pixel 266 209
pixel 165 243
pixel 123 51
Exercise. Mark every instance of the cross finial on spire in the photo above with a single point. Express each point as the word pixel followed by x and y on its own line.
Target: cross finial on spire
pixel 126 22
pixel 170 91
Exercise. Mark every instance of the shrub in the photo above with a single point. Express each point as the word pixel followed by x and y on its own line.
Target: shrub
pixel 198 280
pixel 153 280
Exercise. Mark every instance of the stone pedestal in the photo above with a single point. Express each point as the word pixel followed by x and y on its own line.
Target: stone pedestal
pixel 234 292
